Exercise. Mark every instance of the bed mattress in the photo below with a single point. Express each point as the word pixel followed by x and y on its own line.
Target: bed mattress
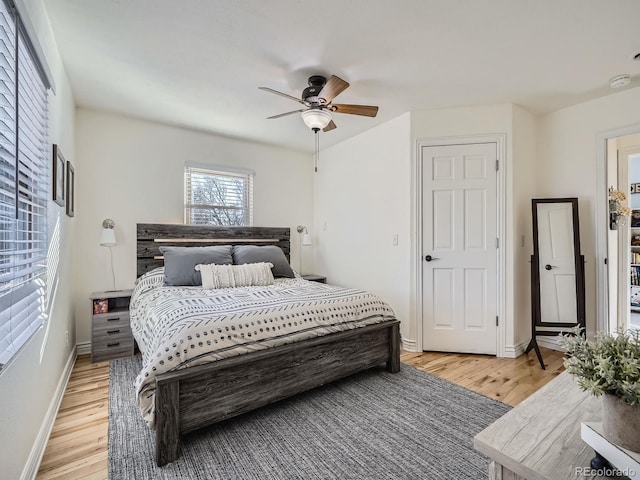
pixel 178 327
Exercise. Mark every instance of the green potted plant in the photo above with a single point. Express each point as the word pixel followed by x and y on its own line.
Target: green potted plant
pixel 610 366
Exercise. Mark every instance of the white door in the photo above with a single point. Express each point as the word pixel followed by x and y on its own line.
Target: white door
pixel 558 303
pixel 459 248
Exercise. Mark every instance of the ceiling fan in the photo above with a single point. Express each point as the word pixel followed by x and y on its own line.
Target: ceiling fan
pixel 318 98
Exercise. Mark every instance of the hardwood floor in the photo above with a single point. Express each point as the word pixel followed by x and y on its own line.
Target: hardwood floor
pixel 77 448
pixel 508 380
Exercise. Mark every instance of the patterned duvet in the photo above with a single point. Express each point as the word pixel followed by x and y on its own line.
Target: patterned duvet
pixel 177 327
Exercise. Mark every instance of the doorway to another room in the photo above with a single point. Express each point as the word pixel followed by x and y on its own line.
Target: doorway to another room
pixel 633 160
pixel 623 250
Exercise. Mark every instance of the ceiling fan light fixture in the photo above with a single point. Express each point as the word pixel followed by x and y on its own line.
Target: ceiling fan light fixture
pixel 316 118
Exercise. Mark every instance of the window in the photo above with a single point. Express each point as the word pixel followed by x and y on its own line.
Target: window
pixel 216 196
pixel 24 182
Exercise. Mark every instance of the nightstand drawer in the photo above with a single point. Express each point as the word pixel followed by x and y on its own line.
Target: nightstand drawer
pixel 110 320
pixel 110 334
pixel 111 348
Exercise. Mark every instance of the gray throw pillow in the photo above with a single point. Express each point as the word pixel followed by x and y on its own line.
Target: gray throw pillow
pixel 263 253
pixel 180 262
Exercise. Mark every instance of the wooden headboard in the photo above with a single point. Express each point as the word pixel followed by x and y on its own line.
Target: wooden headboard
pixel 152 236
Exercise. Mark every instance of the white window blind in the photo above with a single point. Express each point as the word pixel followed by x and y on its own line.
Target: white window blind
pixel 218 197
pixel 24 180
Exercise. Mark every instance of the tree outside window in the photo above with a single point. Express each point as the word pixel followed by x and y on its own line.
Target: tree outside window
pixel 215 197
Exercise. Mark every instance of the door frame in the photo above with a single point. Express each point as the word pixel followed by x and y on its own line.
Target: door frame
pixel 603 322
pixel 500 140
pixel 624 247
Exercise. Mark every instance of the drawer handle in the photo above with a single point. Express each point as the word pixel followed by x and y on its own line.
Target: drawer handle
pixel 113 344
pixel 113 319
pixel 111 332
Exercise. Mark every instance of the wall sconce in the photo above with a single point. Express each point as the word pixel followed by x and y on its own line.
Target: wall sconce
pixel 108 239
pixel 305 240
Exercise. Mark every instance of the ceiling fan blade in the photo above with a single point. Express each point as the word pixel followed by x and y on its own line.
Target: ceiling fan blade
pixel 329 127
pixel 364 110
pixel 271 90
pixel 334 87
pixel 285 114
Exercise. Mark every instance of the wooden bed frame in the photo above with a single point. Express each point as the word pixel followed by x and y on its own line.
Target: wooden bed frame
pixel 193 398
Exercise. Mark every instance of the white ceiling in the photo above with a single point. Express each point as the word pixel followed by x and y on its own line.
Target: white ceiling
pixel 198 63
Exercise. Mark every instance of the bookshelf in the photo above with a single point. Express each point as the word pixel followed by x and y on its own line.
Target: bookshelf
pixel 634 262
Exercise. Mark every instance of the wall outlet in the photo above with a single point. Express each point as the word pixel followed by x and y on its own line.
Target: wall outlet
pixel 66 338
pixel 395 239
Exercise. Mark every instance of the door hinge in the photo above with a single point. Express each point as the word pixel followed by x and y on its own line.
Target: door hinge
pixel 497 165
pixel 497 243
pixel 496 320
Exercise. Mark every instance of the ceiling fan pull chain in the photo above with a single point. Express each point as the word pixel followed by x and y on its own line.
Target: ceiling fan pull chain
pixel 317 152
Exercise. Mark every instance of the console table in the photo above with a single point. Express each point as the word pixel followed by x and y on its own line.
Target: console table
pixel 620 458
pixel 540 438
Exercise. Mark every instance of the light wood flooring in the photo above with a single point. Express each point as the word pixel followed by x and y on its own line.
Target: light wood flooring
pixel 77 448
pixel 509 380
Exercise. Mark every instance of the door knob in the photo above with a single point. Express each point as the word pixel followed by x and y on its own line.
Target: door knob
pixel 548 267
pixel 428 258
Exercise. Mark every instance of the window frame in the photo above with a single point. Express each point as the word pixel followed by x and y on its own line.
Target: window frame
pixel 227 173
pixel 25 236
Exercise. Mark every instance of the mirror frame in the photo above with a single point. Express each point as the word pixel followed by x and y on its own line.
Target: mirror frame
pixel 535 269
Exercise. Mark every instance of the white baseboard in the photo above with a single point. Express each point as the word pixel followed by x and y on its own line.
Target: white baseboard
pixel 550 342
pixel 409 345
pixel 39 446
pixel 514 351
pixel 83 348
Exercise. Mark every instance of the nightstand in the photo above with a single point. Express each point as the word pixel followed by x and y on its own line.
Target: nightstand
pixel 315 278
pixel 111 335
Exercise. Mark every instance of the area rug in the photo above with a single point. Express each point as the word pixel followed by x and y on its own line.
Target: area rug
pixel 373 425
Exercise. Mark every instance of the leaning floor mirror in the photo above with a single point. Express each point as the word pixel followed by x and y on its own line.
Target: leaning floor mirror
pixel 557 269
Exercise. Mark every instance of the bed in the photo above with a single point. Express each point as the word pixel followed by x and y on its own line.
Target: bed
pixel 243 370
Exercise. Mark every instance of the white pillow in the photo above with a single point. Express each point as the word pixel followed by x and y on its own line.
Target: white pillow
pixel 225 276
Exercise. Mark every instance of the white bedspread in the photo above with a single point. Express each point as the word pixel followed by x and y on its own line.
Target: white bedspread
pixel 177 327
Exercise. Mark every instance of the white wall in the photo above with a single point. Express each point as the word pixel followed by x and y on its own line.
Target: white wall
pixel 28 384
pixel 482 120
pixel 364 192
pixel 133 172
pixel 361 200
pixel 567 167
pixel 521 235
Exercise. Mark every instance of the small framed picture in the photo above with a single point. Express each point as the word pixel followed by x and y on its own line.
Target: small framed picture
pixel 71 196
pixel 635 218
pixel 58 176
pixel 100 306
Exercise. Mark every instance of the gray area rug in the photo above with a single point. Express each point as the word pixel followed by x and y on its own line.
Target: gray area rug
pixel 373 425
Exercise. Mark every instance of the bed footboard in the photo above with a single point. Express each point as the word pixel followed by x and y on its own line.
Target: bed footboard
pixel 190 399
